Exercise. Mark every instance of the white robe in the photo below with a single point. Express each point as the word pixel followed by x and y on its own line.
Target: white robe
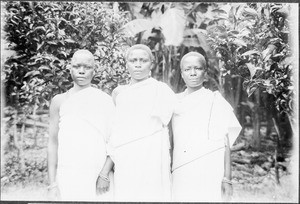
pixel 140 141
pixel 84 128
pixel 200 122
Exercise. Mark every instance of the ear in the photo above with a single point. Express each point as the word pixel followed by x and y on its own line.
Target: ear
pixel 152 65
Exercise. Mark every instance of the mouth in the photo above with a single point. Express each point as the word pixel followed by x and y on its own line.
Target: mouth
pixel 80 78
pixel 194 80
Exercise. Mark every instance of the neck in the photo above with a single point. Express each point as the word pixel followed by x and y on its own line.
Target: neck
pixel 134 81
pixel 193 89
pixel 78 88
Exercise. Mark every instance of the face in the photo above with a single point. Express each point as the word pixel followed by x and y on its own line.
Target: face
pixel 193 72
pixel 139 65
pixel 82 70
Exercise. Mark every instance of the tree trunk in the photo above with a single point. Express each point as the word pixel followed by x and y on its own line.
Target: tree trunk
pixel 256 121
pixel 269 122
pixel 34 124
pixel 21 145
pixel 237 98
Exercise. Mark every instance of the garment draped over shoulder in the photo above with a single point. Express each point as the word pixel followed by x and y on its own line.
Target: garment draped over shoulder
pixel 140 141
pixel 200 122
pixel 84 128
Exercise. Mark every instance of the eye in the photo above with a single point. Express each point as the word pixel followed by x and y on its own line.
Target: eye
pixel 88 67
pixel 132 60
pixel 199 68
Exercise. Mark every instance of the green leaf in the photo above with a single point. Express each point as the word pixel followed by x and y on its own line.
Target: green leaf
pixel 136 26
pixel 69 41
pixel 32 73
pixel 41 68
pixel 61 32
pixel 239 42
pixel 52 43
pixel 40 28
pixel 250 11
pixel 250 52
pixel 173 24
pixel 219 11
pixel 50 35
pixel 252 69
pixel 39 45
pixel 250 89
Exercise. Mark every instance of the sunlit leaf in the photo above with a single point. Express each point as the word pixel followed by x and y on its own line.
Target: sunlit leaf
pixel 40 28
pixel 251 89
pixel 250 52
pixel 252 69
pixel 69 41
pixel 61 32
pixel 136 26
pixel 173 24
pixel 197 38
pixel 250 11
pixel 32 73
pixel 50 35
pixel 135 8
pixel 239 42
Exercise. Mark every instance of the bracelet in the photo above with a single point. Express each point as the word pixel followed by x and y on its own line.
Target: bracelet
pixel 53 185
pixel 226 180
pixel 104 177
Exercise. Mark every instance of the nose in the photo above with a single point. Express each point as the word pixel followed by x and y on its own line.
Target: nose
pixel 138 63
pixel 193 72
pixel 81 70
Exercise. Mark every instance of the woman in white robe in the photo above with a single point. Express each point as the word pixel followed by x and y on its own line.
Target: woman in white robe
pixel 203 125
pixel 140 139
pixel 80 125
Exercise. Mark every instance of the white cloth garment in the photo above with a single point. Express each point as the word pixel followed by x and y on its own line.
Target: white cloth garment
pixel 140 142
pixel 84 129
pixel 200 122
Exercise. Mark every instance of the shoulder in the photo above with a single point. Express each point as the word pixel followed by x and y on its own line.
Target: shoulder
pixel 180 95
pixel 57 100
pixel 101 95
pixel 165 88
pixel 221 101
pixel 100 92
pixel 117 90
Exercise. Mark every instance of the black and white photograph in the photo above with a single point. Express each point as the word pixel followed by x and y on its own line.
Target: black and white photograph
pixel 110 101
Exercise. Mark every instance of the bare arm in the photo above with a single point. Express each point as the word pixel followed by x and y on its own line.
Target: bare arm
pixel 53 140
pixel 103 182
pixel 226 183
pixel 227 159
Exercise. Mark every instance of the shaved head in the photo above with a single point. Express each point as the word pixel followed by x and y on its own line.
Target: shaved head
pixel 83 55
pixel 194 54
pixel 140 47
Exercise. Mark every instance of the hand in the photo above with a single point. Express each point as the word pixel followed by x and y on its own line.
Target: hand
pixel 227 191
pixel 102 186
pixel 53 194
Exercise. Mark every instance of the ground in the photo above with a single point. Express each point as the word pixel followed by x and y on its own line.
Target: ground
pixel 253 173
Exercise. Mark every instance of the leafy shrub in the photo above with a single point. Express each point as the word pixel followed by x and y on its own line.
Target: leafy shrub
pixel 33 171
pixel 46 34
